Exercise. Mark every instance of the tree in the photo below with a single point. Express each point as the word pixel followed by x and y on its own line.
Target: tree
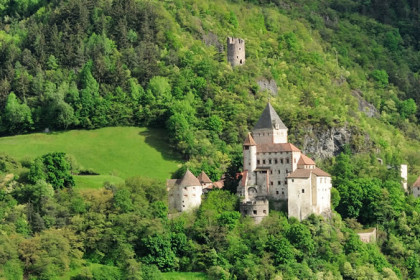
pixel 54 168
pixel 17 118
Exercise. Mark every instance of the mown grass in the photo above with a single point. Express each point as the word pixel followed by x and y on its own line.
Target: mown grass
pixel 116 153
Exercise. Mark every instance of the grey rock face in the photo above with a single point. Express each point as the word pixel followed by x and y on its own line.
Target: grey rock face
pixel 325 143
pixel 269 85
pixel 365 106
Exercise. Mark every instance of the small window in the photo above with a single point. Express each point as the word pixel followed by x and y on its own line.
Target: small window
pixel 279 183
pixel 246 148
pixel 185 188
pixel 258 161
pixel 277 192
pixel 285 182
pixel 293 180
pixel 269 161
pixel 265 211
pixel 287 170
pixel 281 161
pixel 275 161
pixel 279 171
pixel 183 205
pixel 282 193
pixel 271 171
pixel 271 183
pixel 186 195
pixel 287 161
pixel 263 161
pixel 246 212
pixel 193 188
pixel 303 190
pixel 255 212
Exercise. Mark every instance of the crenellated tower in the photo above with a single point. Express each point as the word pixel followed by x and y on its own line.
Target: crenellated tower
pixel 235 51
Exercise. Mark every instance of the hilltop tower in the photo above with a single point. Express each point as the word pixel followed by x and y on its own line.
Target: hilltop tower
pixel 235 51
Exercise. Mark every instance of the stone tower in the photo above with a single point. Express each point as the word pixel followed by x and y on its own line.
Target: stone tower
pixel 235 51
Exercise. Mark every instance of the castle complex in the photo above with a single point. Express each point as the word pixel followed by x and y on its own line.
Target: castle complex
pixel 235 51
pixel 277 173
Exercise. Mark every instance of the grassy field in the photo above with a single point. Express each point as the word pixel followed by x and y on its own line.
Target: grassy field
pixel 116 153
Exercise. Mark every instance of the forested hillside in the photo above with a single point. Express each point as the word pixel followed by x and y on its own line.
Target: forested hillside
pixel 339 65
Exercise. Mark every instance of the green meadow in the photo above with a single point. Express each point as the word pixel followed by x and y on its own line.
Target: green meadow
pixel 115 153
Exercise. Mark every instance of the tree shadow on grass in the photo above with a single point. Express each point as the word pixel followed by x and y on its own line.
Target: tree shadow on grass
pixel 158 139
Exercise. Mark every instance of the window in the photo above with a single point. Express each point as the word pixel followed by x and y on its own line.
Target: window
pixel 246 148
pixel 186 195
pixel 193 188
pixel 193 194
pixel 271 183
pixel 275 161
pixel 255 212
pixel 258 161
pixel 293 180
pixel 278 183
pixel 285 182
pixel 287 170
pixel 183 205
pixel 269 161
pixel 277 192
pixel 287 161
pixel 279 171
pixel 246 212
pixel 282 193
pixel 271 171
pixel 185 188
pixel 265 211
pixel 263 161
pixel 281 161
pixel 303 190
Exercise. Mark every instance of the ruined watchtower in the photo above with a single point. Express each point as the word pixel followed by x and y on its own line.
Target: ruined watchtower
pixel 235 51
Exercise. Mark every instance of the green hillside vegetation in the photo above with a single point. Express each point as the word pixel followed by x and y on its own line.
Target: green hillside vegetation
pixel 114 154
pixel 90 64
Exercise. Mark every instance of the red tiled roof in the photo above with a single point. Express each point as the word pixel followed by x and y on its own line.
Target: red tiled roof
pixel 305 173
pixel 304 160
pixel 203 178
pixel 282 147
pixel 219 184
pixel 249 141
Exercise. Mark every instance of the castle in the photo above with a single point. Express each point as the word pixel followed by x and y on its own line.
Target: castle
pixel 235 51
pixel 276 172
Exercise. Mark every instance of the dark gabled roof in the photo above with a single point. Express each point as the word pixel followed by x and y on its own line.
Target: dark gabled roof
pixel 304 160
pixel 249 141
pixel 268 118
pixel 189 180
pixel 203 178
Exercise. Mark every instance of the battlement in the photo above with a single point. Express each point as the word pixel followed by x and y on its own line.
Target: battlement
pixel 234 41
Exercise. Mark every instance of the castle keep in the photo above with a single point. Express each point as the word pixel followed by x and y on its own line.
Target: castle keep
pixel 276 172
pixel 235 51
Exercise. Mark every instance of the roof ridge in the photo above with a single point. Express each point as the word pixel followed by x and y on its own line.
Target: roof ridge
pixel 189 180
pixel 249 141
pixel 269 118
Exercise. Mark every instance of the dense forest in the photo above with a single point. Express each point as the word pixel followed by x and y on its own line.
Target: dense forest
pixel 86 64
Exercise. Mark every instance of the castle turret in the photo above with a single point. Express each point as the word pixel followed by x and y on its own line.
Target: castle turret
pixel 235 51
pixel 269 128
pixel 250 154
